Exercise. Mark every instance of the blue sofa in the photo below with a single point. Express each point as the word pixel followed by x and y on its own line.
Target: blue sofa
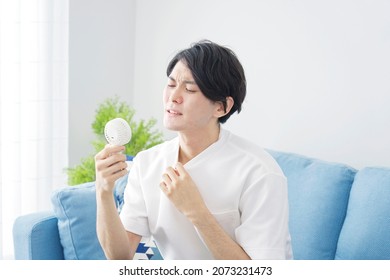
pixel 336 212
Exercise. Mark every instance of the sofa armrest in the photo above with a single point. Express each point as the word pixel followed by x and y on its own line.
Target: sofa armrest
pixel 36 237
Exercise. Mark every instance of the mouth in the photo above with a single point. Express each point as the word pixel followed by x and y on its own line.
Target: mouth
pixel 173 112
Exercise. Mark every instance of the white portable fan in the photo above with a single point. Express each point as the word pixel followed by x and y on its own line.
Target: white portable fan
pixel 117 132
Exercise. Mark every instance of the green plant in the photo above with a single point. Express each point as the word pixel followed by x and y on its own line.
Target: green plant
pixel 143 137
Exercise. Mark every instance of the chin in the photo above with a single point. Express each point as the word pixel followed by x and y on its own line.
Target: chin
pixel 171 126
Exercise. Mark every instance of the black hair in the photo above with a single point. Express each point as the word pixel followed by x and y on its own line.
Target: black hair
pixel 217 72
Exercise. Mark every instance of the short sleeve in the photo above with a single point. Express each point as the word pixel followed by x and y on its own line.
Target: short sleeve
pixel 263 232
pixel 134 215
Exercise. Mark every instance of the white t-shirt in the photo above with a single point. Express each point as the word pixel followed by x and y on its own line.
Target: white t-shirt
pixel 241 184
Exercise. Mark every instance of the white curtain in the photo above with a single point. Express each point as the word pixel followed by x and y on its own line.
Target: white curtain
pixel 33 108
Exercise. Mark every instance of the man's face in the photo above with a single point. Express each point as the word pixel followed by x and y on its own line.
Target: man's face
pixel 186 108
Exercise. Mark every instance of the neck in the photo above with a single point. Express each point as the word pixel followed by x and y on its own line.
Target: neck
pixel 193 143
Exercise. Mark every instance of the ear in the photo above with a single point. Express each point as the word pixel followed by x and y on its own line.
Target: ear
pixel 220 111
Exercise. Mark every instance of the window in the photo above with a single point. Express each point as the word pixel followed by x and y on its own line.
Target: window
pixel 33 108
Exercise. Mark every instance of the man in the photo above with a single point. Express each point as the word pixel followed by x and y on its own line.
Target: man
pixel 206 194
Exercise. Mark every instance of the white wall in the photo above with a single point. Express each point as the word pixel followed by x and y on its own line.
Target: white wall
pixel 101 54
pixel 318 71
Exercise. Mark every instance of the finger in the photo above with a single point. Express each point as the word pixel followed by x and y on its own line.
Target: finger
pixel 108 151
pixel 113 169
pixel 172 173
pixel 115 176
pixel 180 168
pixel 112 174
pixel 115 158
pixel 109 161
pixel 114 148
pixel 163 187
pixel 166 179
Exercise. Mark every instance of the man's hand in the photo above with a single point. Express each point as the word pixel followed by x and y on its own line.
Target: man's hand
pixel 181 190
pixel 110 165
pixel 179 187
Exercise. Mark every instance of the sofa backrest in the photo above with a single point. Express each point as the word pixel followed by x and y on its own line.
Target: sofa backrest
pixel 366 231
pixel 318 200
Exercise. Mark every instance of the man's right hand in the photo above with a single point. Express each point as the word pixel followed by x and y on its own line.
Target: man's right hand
pixel 110 165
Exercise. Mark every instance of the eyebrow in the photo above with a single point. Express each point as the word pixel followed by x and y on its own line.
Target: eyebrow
pixel 184 81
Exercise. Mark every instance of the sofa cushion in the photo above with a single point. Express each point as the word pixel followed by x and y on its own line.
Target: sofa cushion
pixel 75 209
pixel 366 230
pixel 318 199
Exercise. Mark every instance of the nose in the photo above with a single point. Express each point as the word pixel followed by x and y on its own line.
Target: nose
pixel 176 96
